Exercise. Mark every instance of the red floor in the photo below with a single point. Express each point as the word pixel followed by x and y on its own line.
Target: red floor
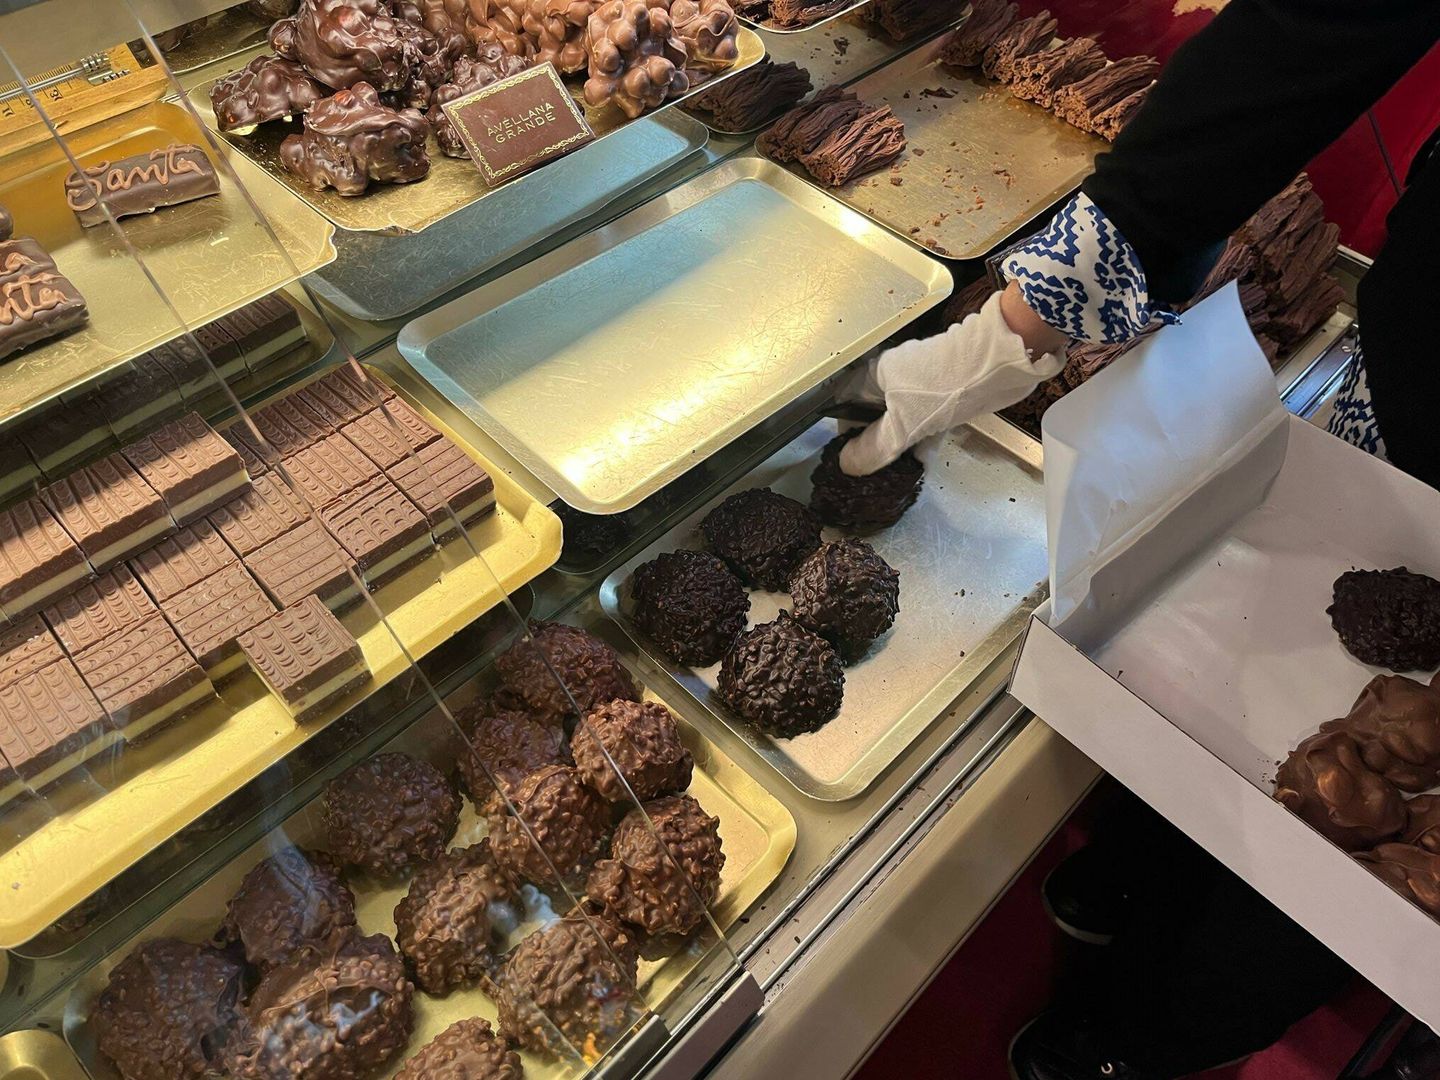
pixel 1003 975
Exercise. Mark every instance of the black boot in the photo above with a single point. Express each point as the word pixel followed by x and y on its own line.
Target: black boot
pixel 1088 896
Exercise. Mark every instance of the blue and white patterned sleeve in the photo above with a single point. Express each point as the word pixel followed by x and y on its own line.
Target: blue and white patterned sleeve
pixel 1083 278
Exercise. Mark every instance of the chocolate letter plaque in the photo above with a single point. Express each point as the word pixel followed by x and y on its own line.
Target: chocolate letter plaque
pixel 515 124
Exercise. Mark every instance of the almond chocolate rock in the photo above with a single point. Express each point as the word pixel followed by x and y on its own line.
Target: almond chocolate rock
pixel 37 302
pixel 762 535
pixel 144 677
pixel 454 918
pixel 306 658
pixel 1413 872
pixel 506 745
pixel 1423 822
pixel 329 469
pixel 876 501
pixel 211 615
pixel 1389 618
pixel 847 594
pixel 637 60
pixel 690 605
pixel 108 510
pixel 466 1050
pixel 51 724
pixel 292 899
pixel 390 813
pixel 783 678
pixel 38 560
pixel 100 609
pixel 353 138
pixel 1396 722
pixel 191 467
pixel 268 88
pixel 185 558
pixel 567 819
pixel 379 528
pixel 1326 782
pixel 641 739
pixel 26 647
pixel 589 668
pixel 264 513
pixel 708 29
pixel 166 1011
pixel 303 562
pixel 345 42
pixel 141 184
pixel 440 478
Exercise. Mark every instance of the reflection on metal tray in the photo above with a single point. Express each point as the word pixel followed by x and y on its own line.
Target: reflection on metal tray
pixel 225 34
pixel 38 1055
pixel 613 364
pixel 421 267
pixel 64 848
pixel 979 164
pixel 453 183
pixel 972 563
pixel 210 255
pixel 758 834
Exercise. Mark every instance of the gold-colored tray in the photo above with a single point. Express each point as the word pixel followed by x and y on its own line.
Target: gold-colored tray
pixel 979 165
pixel 64 848
pixel 757 831
pixel 226 34
pixel 453 183
pixel 38 1055
pixel 210 256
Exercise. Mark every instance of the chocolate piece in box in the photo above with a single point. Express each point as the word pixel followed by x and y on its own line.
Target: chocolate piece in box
pixel 99 609
pixel 306 658
pixel 108 510
pixel 265 512
pixel 211 615
pixel 38 560
pixel 189 466
pixel 144 677
pixel 305 561
pixel 380 528
pixel 441 477
pixel 141 184
pixel 27 646
pixel 51 724
pixel 185 558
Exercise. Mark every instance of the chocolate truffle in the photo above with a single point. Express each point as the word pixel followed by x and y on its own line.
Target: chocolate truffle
pixel 268 88
pixel 1396 721
pixel 1325 782
pixel 1423 822
pixel 458 908
pixel 466 1050
pixel 847 594
pixel 762 535
pixel 1411 871
pixel 291 899
pixel 338 1011
pixel 642 739
pixel 508 745
pixel 570 988
pixel 166 1010
pixel 567 819
pixel 389 813
pixel 876 501
pixel 590 669
pixel 783 678
pixel 1389 618
pixel 353 138
pixel 690 605
pixel 662 892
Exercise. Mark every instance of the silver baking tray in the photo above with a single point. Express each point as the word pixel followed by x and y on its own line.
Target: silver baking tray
pixel 972 561
pixel 615 363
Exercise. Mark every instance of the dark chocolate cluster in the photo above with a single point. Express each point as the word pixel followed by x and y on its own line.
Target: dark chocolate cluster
pixel 1413 872
pixel 1389 618
pixel 466 1050
pixel 166 1011
pixel 876 501
pixel 847 594
pixel 291 899
pixel 762 535
pixel 589 668
pixel 783 678
pixel 268 88
pixel 457 910
pixel 567 818
pixel 1396 722
pixel 353 138
pixel 690 605
pixel 389 813
pixel 1326 782
pixel 642 739
pixel 345 42
pixel 663 873
pixel 490 64
pixel 506 745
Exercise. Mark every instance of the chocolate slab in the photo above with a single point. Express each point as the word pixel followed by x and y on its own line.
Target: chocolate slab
pixel 296 418
pixel 335 409
pixel 359 396
pixel 211 614
pixel 141 184
pixel 36 305
pixel 50 724
pixel 222 349
pixel 327 470
pixel 197 381
pixel 283 437
pixel 267 511
pixel 25 647
pixel 265 330
pixel 306 657
pixel 191 467
pixel 380 439
pixel 99 609
pixel 18 471
pixel 379 528
pixel 256 462
pixel 442 474
pixel 38 560
pixel 185 558
pixel 108 510
pixel 305 561
pixel 139 395
pixel 66 435
pixel 144 677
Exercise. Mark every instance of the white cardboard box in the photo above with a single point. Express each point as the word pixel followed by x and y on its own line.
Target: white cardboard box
pixel 1195 530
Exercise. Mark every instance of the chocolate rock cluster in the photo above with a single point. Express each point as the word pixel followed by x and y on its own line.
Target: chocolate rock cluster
pixel 354 138
pixel 566 818
pixel 292 899
pixel 506 745
pixel 1389 618
pixel 783 678
pixel 636 58
pixel 847 594
pixel 690 605
pixel 390 813
pixel 589 669
pixel 466 1050
pixel 762 535
pixel 639 738
pixel 876 501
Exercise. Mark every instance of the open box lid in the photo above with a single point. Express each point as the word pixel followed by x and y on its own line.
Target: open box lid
pixel 1195 530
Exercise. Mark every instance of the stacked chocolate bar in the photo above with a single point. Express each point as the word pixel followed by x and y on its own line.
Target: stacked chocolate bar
pixel 37 302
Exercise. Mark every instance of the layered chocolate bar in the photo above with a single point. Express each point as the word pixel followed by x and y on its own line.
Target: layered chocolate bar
pixel 108 510
pixel 386 443
pixel 139 395
pixel 98 610
pixel 67 435
pixel 18 471
pixel 327 470
pixel 305 561
pixel 36 301
pixel 306 658
pixel 265 330
pixel 379 528
pixel 441 477
pixel 144 678
pixel 183 559
pixel 191 467
pixel 211 614
pixel 140 184
pixel 25 647
pixel 359 396
pixel 265 512
pixel 38 560
pixel 289 426
pixel 50 724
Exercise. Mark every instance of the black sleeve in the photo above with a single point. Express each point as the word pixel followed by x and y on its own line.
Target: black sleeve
pixel 1239 110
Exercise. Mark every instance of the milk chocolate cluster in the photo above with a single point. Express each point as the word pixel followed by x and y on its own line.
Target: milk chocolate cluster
pixel 589 672
pixel 1326 782
pixel 467 1050
pixel 1396 722
pixel 504 746
pixel 639 738
pixel 566 818
pixel 389 813
pixel 292 899
pixel 636 58
pixel 353 138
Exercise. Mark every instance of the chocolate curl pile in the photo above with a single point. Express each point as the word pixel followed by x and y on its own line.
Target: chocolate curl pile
pixel 755 94
pixel 1022 39
pixel 708 29
pixel 905 19
pixel 490 64
pixel 789 14
pixel 988 20
pixel 801 129
pixel 353 138
pixel 636 61
pixel 870 141
pixel 1100 94
pixel 344 42
pixel 1040 75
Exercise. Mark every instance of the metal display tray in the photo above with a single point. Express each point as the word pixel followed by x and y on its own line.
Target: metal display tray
pixel 210 256
pixel 972 562
pixel 58 851
pixel 225 34
pixel 757 832
pixel 770 28
pixel 979 165
pixel 38 1055
pixel 421 267
pixel 616 362
pixel 453 183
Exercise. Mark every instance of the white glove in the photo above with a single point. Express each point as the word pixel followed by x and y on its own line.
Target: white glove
pixel 933 384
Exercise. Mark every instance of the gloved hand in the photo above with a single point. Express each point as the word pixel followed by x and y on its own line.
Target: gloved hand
pixel 933 384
